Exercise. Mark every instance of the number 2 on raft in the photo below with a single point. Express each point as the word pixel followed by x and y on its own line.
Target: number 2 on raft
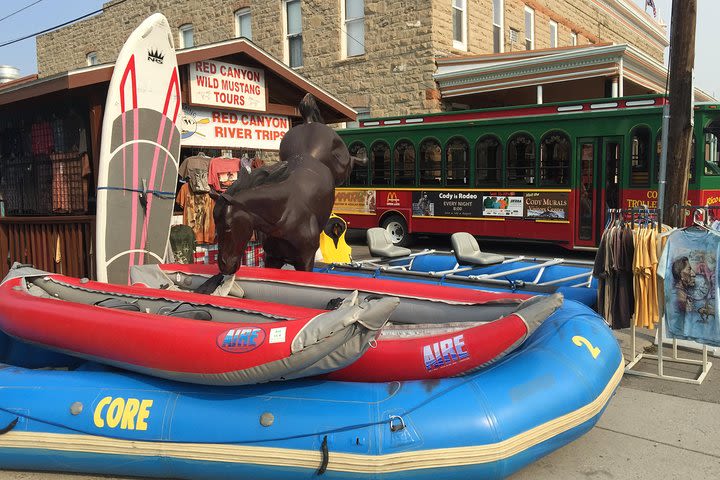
pixel 580 341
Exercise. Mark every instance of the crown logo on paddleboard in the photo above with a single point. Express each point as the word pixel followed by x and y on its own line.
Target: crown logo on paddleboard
pixel 155 56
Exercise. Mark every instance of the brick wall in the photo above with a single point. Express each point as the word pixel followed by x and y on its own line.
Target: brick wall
pixel 402 38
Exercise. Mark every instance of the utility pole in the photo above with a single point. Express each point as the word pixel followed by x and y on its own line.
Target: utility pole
pixel 680 131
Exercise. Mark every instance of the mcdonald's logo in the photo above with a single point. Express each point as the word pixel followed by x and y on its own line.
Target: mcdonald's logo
pixel 393 199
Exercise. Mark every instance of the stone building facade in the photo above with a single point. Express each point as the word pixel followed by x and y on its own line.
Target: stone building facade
pixel 394 75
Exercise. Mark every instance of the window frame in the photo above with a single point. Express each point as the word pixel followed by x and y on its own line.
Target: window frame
pixel 358 167
pixel 467 167
pixel 345 37
pixel 287 36
pixel 182 30
pixel 500 5
pixel 91 59
pixel 242 12
pixel 649 154
pixel 396 162
pixel 542 162
pixel 460 44
pixel 532 169
pixel 498 162
pixel 553 33
pixel 573 39
pixel 420 160
pixel 530 36
pixel 388 168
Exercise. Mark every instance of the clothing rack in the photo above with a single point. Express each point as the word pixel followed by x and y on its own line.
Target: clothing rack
pixel 674 358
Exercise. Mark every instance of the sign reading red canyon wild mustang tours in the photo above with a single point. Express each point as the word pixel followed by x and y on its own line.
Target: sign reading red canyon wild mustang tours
pixel 205 127
pixel 220 84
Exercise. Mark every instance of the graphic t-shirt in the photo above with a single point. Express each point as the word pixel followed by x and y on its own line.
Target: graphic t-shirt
pixel 195 170
pixel 688 266
pixel 223 172
pixel 197 213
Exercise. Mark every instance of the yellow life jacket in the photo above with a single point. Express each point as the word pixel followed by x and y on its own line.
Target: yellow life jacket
pixel 333 246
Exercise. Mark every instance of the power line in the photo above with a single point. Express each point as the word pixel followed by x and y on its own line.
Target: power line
pixel 18 11
pixel 10 42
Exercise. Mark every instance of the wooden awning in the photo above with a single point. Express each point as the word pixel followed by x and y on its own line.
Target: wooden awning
pixel 285 86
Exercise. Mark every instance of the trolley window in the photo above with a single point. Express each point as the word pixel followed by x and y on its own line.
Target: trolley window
pixel 555 159
pixel 488 157
pixel 430 162
pixel 404 173
pixel 521 160
pixel 458 162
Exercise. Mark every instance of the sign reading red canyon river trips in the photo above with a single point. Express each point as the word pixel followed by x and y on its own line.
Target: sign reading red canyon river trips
pixel 204 127
pixel 220 84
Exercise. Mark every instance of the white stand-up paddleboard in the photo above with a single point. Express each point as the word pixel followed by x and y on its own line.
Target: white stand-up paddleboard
pixel 139 153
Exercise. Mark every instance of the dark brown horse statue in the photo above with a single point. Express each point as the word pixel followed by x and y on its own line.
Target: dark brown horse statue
pixel 290 202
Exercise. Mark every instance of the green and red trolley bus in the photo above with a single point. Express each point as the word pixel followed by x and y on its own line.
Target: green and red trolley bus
pixel 545 173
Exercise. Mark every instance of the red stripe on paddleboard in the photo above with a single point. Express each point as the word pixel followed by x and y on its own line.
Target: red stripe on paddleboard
pixel 173 87
pixel 129 72
pixel 135 194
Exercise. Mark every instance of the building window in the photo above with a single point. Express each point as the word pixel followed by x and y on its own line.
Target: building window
pixel 363 113
pixel 529 28
pixel 553 34
pixel 573 39
pixel 187 36
pixel 498 40
pixel 91 59
pixel 514 37
pixel 293 35
pixel 459 19
pixel 243 23
pixel 353 29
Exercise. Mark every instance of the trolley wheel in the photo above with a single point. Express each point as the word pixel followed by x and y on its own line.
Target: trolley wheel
pixel 397 228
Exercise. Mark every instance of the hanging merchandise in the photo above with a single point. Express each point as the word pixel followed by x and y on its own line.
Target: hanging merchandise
pixel 195 170
pixel 688 266
pixel 223 172
pixel 182 244
pixel 645 263
pixel 197 213
pixel 614 270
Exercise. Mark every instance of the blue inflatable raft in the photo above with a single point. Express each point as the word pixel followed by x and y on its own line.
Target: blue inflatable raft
pixel 485 425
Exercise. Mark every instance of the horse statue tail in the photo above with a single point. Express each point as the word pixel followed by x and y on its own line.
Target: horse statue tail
pixel 309 110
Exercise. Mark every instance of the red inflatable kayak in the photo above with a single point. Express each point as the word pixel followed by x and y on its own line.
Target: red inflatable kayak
pixel 435 332
pixel 186 336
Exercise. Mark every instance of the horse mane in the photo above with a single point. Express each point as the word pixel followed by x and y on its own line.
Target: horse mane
pixel 260 176
pixel 309 110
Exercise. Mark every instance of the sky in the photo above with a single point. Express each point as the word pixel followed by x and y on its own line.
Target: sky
pixel 49 13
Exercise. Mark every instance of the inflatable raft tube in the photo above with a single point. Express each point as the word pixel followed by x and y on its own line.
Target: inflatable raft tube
pixel 166 334
pixel 487 425
pixel 447 332
pixel 419 303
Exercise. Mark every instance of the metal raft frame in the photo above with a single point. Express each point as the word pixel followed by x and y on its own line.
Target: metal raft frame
pixel 660 358
pixel 402 266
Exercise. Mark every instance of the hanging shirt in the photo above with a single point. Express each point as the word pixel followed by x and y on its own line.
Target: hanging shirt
pixel 688 266
pixel 195 170
pixel 197 213
pixel 223 172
